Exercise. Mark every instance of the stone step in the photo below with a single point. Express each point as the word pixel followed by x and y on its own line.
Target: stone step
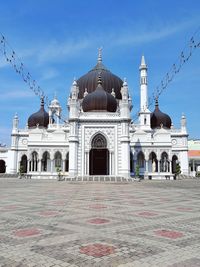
pixel 100 178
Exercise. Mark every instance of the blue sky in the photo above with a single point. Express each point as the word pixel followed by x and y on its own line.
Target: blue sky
pixel 58 40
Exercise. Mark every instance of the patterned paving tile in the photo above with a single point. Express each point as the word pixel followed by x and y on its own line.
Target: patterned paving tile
pixel 152 223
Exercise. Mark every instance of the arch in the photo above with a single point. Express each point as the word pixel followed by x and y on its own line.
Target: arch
pixel 2 166
pixel 46 162
pixel 99 141
pixel 99 156
pixel 174 163
pixel 153 162
pixel 58 159
pixel 164 162
pixel 23 164
pixel 140 159
pixel 67 162
pixel 34 162
pixel 131 162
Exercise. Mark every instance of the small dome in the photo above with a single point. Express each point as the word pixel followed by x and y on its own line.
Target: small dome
pixel 109 80
pixel 99 100
pixel 40 118
pixel 160 119
pixel 55 102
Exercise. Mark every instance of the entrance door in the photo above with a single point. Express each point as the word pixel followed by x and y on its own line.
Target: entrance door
pixel 2 166
pixel 99 162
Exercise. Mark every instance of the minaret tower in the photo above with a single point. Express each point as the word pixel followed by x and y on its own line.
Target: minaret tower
pixel 144 111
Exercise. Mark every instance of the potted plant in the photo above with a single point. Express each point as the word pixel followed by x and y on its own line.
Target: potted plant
pixel 178 170
pixel 58 170
pixel 137 172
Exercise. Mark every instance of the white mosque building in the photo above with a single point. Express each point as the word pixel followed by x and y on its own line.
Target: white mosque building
pixel 98 138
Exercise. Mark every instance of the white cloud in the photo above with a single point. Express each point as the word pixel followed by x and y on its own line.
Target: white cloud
pixel 57 51
pixel 49 73
pixel 16 94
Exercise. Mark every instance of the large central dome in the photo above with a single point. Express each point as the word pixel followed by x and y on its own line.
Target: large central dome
pixel 109 80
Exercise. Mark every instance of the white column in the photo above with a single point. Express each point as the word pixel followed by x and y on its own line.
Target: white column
pixel 63 165
pixel 39 166
pixel 52 165
pixel 73 157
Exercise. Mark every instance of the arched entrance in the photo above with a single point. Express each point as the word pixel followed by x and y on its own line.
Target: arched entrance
pixel 2 166
pixel 174 163
pixel 99 156
pixel 23 164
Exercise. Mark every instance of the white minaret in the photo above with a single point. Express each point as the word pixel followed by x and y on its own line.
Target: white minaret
pixel 143 86
pixel 145 123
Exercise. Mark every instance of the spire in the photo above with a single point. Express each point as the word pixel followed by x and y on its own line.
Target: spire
pixel 74 82
pixel 143 63
pixel 113 92
pixel 99 55
pixel 125 82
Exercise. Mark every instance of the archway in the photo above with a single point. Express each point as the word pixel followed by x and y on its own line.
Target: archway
pixel 174 162
pixel 67 162
pixel 99 156
pixel 23 164
pixel 164 163
pixel 2 166
pixel 153 162
pixel 46 162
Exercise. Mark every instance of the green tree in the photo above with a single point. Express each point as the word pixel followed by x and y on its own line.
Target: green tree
pixel 137 170
pixel 178 169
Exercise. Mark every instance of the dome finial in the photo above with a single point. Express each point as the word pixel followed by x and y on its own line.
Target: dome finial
pixel 42 101
pixel 156 101
pixel 99 81
pixel 100 55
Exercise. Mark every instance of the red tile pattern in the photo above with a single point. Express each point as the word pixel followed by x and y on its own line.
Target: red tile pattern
pixel 147 214
pixel 169 234
pixel 97 250
pixel 48 213
pixel 98 221
pixel 27 232
pixel 98 206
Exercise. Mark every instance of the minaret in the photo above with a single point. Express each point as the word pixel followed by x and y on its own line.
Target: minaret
pixel 183 124
pixel 15 123
pixel 74 109
pixel 145 123
pixel 143 85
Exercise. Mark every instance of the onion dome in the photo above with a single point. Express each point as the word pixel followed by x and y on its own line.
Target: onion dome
pixel 109 80
pixel 99 100
pixel 40 118
pixel 160 119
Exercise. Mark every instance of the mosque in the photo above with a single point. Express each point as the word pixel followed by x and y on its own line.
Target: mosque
pixel 99 137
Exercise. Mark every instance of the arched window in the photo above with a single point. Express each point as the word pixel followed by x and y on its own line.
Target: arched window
pixel 67 162
pixel 153 162
pixel 34 161
pixel 99 141
pixel 45 162
pixel 58 160
pixel 140 159
pixel 164 163
pixel 23 164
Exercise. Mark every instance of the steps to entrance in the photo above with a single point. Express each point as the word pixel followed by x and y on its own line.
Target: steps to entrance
pixel 7 175
pixel 114 179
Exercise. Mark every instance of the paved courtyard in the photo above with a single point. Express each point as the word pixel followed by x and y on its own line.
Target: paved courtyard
pixel 51 223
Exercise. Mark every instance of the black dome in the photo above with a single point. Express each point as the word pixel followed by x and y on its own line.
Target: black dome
pixel 160 119
pixel 40 118
pixel 99 100
pixel 109 80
